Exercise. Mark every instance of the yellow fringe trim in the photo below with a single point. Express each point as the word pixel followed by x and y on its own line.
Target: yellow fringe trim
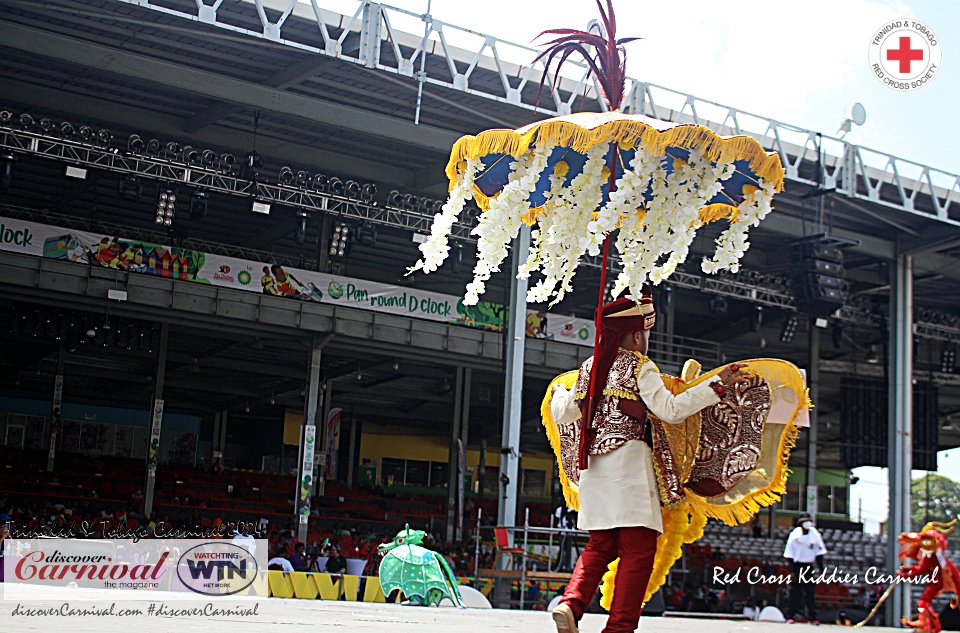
pixel 624 130
pixel 571 493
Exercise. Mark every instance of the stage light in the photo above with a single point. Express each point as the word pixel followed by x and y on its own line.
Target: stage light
pixel 172 150
pixel 718 305
pixel 286 176
pixel 227 161
pixel 300 233
pixel 198 205
pixel 368 192
pixel 437 206
pixel 166 207
pixel 46 125
pixel 352 189
pixel 67 132
pixel 129 188
pixel 26 121
pixel 948 359
pixel 75 172
pixel 191 156
pixel 303 179
pixel 260 207
pixel 340 240
pixel 104 137
pixel 6 170
pixel 85 134
pixel 756 319
pixel 395 199
pixel 319 182
pixel 135 144
pixel 457 257
pixel 153 147
pixel 208 158
pixel 367 235
pixel 5 116
pixel 790 325
pixel 335 186
pixel 410 202
pixel 251 166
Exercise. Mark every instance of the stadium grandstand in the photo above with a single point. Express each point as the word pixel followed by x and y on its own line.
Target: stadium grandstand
pixel 208 211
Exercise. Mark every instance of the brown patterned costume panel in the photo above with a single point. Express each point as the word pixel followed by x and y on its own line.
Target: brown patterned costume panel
pixel 730 438
pixel 611 428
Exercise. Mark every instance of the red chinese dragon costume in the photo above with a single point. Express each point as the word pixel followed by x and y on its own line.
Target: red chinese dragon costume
pixel 927 547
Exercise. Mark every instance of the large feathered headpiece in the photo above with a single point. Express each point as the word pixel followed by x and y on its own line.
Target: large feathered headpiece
pixel 607 62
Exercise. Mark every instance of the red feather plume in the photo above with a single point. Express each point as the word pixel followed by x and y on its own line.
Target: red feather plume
pixel 607 62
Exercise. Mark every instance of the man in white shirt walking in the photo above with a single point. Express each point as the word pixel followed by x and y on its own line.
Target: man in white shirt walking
pixel 805 549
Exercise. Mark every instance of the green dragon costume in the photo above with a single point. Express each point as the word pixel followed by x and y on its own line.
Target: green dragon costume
pixel 422 575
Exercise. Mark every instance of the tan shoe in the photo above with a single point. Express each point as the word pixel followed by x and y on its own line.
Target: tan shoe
pixel 563 618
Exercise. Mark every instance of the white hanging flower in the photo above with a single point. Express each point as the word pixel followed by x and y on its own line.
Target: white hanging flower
pixel 500 223
pixel 435 249
pixel 732 243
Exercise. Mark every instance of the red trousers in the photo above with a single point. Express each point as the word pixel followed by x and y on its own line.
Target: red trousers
pixel 636 547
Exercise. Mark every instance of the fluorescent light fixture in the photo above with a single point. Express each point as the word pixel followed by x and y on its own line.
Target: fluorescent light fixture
pixel 117 295
pixel 420 238
pixel 76 172
pixel 821 322
pixel 261 207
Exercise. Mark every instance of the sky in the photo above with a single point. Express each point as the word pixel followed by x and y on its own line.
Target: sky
pixel 800 63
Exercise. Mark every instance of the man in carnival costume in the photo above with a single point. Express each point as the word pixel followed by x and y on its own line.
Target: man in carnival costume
pixel 618 459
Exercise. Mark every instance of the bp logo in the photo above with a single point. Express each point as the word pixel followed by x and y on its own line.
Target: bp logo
pixel 244 277
pixel 334 289
pixel 584 334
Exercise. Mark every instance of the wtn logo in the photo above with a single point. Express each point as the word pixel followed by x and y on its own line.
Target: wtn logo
pixel 226 570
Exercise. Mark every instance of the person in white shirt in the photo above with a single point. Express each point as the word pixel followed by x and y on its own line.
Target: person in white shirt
pixel 805 550
pixel 284 564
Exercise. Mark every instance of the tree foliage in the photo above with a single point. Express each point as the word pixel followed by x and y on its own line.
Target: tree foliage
pixel 944 500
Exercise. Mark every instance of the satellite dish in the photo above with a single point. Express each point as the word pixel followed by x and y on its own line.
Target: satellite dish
pixel 858 114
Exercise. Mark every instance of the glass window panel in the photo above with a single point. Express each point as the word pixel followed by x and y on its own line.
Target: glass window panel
pixel 391 473
pixel 418 473
pixel 840 500
pixel 439 472
pixel 823 499
pixel 533 482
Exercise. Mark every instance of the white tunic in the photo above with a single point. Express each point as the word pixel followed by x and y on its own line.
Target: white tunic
pixel 619 489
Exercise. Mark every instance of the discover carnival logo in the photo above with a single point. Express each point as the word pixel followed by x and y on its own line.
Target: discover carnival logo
pixel 905 55
pixel 124 569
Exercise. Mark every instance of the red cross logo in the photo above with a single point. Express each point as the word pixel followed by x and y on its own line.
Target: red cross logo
pixel 905 55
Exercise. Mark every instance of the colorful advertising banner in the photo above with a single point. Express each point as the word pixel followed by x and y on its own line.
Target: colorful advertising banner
pixel 333 441
pixel 306 471
pixel 153 448
pixel 148 258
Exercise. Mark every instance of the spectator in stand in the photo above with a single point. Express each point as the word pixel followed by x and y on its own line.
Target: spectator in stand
pixel 336 563
pixel 279 563
pixel 756 527
pixel 751 609
pixel 299 559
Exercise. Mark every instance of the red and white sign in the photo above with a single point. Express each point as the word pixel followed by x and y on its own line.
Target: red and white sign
pixel 905 55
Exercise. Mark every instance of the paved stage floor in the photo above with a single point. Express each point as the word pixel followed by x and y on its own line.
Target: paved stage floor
pixel 275 615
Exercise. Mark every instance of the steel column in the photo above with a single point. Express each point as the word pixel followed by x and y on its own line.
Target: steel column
pixel 900 422
pixel 813 382
pixel 153 449
pixel 453 459
pixel 516 337
pixel 55 408
pixel 305 486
